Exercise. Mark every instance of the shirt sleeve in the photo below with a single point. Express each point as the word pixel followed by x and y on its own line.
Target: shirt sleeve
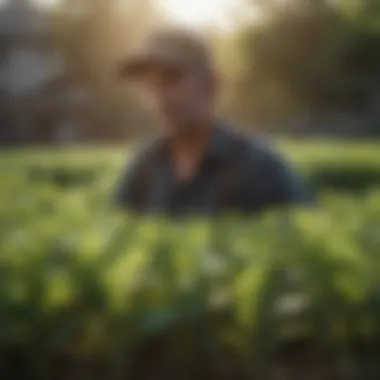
pixel 284 185
pixel 127 189
pixel 124 189
pixel 273 182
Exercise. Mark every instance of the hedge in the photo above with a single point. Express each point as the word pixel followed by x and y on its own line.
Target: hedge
pixel 105 296
pixel 86 293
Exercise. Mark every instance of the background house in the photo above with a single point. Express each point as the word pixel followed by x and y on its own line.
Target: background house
pixel 39 98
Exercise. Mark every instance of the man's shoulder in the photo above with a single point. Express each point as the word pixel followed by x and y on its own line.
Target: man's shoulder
pixel 264 152
pixel 259 151
pixel 140 159
pixel 275 173
pixel 131 185
pixel 144 152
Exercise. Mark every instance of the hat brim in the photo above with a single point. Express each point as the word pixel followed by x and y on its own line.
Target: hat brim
pixel 139 66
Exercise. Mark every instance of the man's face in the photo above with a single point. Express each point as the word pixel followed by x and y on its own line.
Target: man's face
pixel 179 98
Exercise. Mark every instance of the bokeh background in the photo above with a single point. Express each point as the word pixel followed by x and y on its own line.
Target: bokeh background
pixel 89 293
pixel 289 66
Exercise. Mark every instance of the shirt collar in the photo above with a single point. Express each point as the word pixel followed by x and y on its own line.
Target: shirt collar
pixel 219 146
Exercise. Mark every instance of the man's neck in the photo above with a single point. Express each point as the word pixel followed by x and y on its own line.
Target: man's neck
pixel 188 149
pixel 193 141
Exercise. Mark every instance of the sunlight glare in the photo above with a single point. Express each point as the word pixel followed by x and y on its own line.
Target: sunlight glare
pixel 196 12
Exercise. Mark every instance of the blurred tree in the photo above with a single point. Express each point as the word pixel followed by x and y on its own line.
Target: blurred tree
pixel 304 54
pixel 359 59
pixel 285 58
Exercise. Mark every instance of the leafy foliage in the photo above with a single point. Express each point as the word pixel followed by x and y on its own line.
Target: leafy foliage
pixel 87 291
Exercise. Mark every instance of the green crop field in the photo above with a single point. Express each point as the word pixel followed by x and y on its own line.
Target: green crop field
pixel 87 292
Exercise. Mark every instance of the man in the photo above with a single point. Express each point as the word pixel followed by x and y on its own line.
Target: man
pixel 197 165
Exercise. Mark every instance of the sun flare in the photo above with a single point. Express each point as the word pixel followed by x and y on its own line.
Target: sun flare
pixel 196 12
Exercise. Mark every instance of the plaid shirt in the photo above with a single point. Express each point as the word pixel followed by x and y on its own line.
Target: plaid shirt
pixel 236 175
